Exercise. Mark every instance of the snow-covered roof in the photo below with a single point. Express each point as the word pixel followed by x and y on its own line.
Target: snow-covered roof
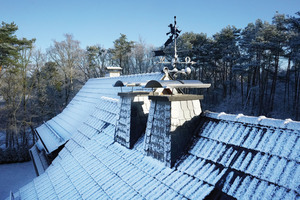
pixel 60 129
pixel 258 157
pixel 232 156
pixel 114 68
pixel 229 158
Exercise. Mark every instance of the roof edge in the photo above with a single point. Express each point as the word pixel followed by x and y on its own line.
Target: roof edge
pixel 129 75
pixel 261 120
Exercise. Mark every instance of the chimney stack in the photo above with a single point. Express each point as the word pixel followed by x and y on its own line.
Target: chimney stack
pixel 132 118
pixel 170 122
pixel 170 126
pixel 113 71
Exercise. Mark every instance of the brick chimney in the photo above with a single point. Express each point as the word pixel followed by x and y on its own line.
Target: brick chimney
pixel 170 126
pixel 132 120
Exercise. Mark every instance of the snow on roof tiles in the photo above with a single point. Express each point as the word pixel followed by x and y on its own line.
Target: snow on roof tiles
pixel 233 156
pixel 61 128
pixel 263 153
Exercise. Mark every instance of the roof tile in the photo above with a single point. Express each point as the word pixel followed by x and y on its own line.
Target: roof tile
pixel 245 157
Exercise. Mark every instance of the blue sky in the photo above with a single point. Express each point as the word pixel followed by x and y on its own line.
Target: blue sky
pixel 101 22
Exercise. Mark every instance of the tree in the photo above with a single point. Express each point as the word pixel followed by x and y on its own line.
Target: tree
pixel 47 88
pixel 8 44
pixel 294 26
pixel 15 57
pixel 277 44
pixel 141 57
pixel 67 55
pixel 96 59
pixel 227 48
pixel 121 51
pixel 27 86
pixel 197 47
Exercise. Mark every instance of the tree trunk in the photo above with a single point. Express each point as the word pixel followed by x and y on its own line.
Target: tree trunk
pixel 273 87
pixel 296 94
pixel 287 86
pixel 242 88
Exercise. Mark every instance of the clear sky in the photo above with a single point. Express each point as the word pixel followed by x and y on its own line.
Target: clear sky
pixel 101 22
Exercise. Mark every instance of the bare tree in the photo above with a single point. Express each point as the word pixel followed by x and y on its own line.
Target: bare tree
pixel 67 55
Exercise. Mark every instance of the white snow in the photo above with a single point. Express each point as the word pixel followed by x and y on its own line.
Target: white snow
pixel 265 138
pixel 239 160
pixel 253 164
pixel 289 144
pixel 250 189
pixel 276 173
pixel 229 133
pixel 196 167
pixel 234 185
pixel 261 120
pixel 272 141
pixel 259 192
pixel 260 168
pixel 293 125
pixel 227 117
pixel 245 162
pixel 239 135
pixel 258 135
pixel 227 185
pixel 243 188
pixel 13 176
pixel 295 151
pixel 248 120
pixel 92 160
pixel 268 192
pixel 270 168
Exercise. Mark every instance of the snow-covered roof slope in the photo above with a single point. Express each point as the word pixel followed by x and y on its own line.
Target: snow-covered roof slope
pixel 233 156
pixel 255 157
pixel 60 129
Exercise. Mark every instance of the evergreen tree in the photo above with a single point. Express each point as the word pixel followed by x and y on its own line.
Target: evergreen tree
pixel 294 44
pixel 10 45
pixel 15 55
pixel 121 51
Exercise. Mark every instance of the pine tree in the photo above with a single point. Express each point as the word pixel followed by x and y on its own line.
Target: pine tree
pixel 121 51
pixel 10 45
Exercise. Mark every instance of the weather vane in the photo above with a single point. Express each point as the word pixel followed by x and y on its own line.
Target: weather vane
pixel 174 33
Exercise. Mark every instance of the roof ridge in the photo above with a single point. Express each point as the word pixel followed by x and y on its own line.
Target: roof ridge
pixel 127 75
pixel 260 120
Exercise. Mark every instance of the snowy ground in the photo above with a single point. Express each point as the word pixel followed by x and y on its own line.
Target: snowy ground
pixel 13 176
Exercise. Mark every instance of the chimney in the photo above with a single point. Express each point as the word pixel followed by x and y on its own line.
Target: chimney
pixel 169 117
pixel 132 120
pixel 113 71
pixel 171 125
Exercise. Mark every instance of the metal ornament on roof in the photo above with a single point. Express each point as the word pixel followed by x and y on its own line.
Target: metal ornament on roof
pixel 174 33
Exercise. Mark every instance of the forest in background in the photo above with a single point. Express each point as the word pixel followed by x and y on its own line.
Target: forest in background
pixel 254 71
